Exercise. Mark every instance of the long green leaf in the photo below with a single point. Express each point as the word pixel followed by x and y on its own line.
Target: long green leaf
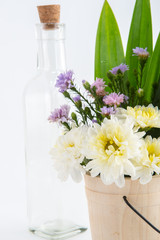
pixel 140 35
pixel 109 50
pixel 153 71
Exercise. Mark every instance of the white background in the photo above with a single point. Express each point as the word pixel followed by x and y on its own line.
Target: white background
pixel 17 67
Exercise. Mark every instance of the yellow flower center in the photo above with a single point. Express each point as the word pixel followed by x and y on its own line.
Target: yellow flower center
pixel 143 112
pixel 107 146
pixel 153 152
pixel 151 157
pixel 71 145
pixel 111 145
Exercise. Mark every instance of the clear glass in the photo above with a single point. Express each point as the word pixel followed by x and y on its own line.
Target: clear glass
pixel 50 205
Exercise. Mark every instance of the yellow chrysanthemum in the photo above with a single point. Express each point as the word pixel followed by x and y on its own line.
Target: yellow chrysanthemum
pixel 145 117
pixel 111 146
pixel 149 161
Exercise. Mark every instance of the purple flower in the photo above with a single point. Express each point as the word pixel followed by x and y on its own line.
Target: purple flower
pixel 76 98
pixel 107 111
pixel 115 99
pixel 60 115
pixel 141 53
pixel 83 81
pixel 94 121
pixel 122 67
pixel 65 81
pixel 126 98
pixel 99 84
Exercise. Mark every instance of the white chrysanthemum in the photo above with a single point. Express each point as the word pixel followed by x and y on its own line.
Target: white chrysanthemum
pixel 144 117
pixel 149 161
pixel 67 154
pixel 111 146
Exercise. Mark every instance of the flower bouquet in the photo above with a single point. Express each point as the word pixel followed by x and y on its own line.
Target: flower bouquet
pixel 112 133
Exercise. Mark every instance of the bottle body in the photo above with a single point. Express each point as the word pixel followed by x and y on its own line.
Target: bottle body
pixel 40 137
pixel 48 212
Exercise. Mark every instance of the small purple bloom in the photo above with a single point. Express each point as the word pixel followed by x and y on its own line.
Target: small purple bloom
pixel 114 99
pixel 141 53
pixel 65 81
pixel 99 84
pixel 76 98
pixel 94 121
pixel 122 67
pixel 83 82
pixel 107 111
pixel 126 98
pixel 60 115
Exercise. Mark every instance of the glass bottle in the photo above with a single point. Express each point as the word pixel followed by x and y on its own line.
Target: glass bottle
pixel 48 200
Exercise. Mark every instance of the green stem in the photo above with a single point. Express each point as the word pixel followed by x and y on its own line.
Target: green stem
pixel 83 116
pixel 79 111
pixel 74 89
pixel 142 65
pixel 66 125
pixel 141 76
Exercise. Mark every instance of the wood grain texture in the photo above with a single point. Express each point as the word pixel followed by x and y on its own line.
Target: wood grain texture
pixel 112 219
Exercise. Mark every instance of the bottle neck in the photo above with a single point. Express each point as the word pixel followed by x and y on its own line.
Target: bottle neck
pixel 51 48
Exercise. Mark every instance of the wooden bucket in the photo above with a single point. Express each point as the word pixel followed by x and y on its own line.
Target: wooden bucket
pixel 112 219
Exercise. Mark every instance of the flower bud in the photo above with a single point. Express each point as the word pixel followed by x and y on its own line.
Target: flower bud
pixel 140 92
pixel 78 104
pixel 66 94
pixel 88 111
pixel 74 116
pixel 86 85
pixel 110 75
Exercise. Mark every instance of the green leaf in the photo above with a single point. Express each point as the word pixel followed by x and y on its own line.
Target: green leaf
pixel 154 132
pixel 156 94
pixel 109 50
pixel 140 35
pixel 153 71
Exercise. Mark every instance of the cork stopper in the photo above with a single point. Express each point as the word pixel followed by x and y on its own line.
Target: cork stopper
pixel 49 14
